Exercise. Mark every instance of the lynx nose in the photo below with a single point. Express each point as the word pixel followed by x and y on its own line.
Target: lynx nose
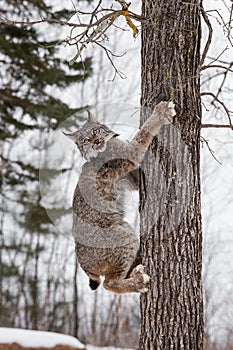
pixel 97 141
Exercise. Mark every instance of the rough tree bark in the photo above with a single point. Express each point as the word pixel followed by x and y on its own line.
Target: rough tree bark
pixel 171 244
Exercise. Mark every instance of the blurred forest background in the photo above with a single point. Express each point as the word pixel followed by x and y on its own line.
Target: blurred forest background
pixel 41 285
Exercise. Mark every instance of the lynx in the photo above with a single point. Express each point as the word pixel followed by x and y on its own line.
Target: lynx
pixel 105 244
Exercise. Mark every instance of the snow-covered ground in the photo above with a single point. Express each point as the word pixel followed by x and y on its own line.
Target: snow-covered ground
pixel 91 347
pixel 33 339
pixel 30 338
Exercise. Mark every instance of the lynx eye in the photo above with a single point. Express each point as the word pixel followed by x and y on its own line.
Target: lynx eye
pixel 86 140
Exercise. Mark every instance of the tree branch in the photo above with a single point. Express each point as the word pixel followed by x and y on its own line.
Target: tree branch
pixel 210 35
pixel 204 126
pixel 82 34
pixel 219 66
pixel 203 140
pixel 215 98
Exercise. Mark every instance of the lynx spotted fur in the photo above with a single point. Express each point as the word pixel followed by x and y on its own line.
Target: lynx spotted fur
pixel 106 245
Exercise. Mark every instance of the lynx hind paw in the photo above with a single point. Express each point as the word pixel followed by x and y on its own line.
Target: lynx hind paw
pixel 140 269
pixel 141 278
pixel 145 280
pixel 138 272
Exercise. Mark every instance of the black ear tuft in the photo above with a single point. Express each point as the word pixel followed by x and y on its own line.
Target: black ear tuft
pixel 71 136
pixel 91 118
pixel 93 284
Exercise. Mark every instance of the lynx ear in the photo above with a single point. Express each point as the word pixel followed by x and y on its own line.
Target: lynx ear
pixel 72 136
pixel 91 118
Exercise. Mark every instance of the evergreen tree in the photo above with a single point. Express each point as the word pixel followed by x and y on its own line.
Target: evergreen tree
pixel 30 69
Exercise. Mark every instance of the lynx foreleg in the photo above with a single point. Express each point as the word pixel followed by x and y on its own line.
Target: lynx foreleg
pixel 130 155
pixel 163 114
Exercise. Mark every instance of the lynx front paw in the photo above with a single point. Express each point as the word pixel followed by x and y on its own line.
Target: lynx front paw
pixel 165 112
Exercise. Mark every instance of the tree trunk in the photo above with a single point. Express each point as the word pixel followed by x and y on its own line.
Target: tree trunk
pixel 171 236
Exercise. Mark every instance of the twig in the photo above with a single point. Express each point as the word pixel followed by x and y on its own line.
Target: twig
pixel 221 53
pixel 223 81
pixel 203 140
pixel 221 103
pixel 92 32
pixel 210 35
pixel 109 53
pixel 106 21
pixel 227 26
pixel 4 20
pixel 230 26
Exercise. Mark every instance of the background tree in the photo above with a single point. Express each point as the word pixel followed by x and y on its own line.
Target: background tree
pixel 31 71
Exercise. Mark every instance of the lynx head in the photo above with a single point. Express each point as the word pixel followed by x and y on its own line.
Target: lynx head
pixel 92 138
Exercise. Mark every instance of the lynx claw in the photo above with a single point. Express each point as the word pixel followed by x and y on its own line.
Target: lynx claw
pixel 170 112
pixel 171 107
pixel 146 278
pixel 140 268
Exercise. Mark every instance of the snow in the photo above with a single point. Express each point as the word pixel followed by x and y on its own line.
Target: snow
pixel 30 338
pixel 91 347
pixel 33 339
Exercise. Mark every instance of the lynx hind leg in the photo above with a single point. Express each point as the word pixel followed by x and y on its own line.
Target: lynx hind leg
pixel 93 284
pixel 133 178
pixel 165 111
pixel 137 261
pixel 137 282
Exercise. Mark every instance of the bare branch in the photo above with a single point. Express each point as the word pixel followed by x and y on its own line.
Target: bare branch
pixel 230 26
pixel 215 98
pixel 109 54
pixel 223 81
pixel 5 20
pixel 216 59
pixel 219 66
pixel 227 25
pixel 205 126
pixel 93 31
pixel 210 35
pixel 206 142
